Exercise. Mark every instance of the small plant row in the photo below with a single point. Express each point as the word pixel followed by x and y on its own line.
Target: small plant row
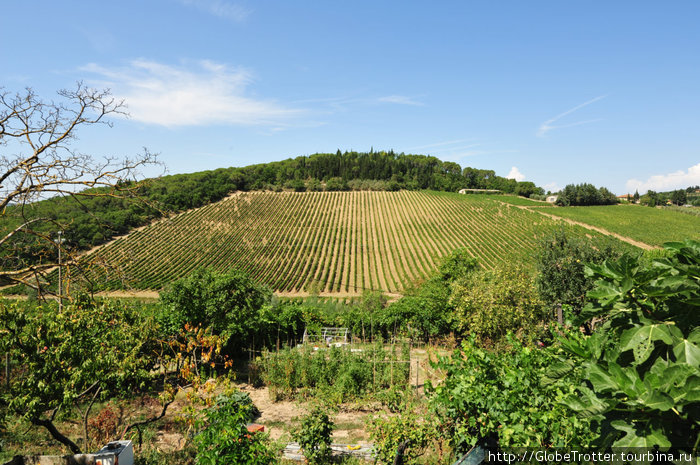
pixel 338 373
pixel 331 242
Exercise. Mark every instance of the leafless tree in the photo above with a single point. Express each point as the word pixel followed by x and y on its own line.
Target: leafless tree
pixel 38 160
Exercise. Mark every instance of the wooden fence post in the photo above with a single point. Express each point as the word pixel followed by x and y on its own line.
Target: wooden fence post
pixel 417 368
pixel 374 371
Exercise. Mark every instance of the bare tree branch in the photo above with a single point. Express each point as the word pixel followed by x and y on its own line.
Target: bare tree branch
pixel 38 161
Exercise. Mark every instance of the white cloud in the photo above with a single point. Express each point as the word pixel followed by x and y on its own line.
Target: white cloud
pixel 552 187
pixel 549 124
pixel 666 182
pixel 220 8
pixel 205 93
pixel 515 174
pixel 400 100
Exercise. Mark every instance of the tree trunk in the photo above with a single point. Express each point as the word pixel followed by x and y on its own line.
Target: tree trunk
pixel 87 415
pixel 48 424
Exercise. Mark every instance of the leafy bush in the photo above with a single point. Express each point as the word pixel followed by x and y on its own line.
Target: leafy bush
pixel 415 432
pixel 225 439
pixel 314 436
pixel 561 261
pixel 424 312
pixel 490 303
pixel 643 363
pixel 458 264
pixel 104 349
pixel 338 373
pixel 500 393
pixel 227 303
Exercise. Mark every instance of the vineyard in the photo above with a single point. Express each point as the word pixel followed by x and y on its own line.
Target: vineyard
pixel 652 226
pixel 338 243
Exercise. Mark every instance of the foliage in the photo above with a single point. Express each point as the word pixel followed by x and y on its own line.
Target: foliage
pixel 679 197
pixel 387 433
pixel 490 303
pixel 514 200
pixel 336 373
pixel 528 189
pixel 421 314
pixel 561 261
pixel 228 303
pixel 424 312
pixel 314 435
pixel 651 199
pixel 224 437
pixel 64 361
pixel 458 264
pixel 643 363
pixel 61 356
pixel 676 197
pixel 500 393
pixel 585 194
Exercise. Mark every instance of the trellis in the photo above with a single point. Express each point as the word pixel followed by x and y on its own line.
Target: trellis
pixel 329 335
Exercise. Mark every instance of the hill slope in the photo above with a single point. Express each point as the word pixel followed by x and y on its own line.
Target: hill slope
pixel 88 219
pixel 333 242
pixel 653 226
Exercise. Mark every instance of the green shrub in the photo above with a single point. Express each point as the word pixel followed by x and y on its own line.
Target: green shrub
pixel 490 303
pixel 314 436
pixel 501 393
pixel 225 439
pixel 561 261
pixel 228 303
pixel 642 365
pixel 339 373
pixel 416 432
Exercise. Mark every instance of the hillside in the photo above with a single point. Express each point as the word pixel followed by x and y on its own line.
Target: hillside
pixel 95 216
pixel 335 242
pixel 653 226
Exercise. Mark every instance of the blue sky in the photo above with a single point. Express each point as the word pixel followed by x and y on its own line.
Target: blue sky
pixel 551 92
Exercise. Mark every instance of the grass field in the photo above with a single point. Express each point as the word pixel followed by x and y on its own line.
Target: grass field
pixel 515 200
pixel 339 243
pixel 653 226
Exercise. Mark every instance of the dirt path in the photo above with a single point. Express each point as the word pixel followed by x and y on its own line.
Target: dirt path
pixel 280 417
pixel 392 296
pixel 629 240
pixel 153 294
pixel 134 294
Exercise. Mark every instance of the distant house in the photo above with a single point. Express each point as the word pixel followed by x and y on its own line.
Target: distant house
pixel 552 198
pixel 479 191
pixel 625 198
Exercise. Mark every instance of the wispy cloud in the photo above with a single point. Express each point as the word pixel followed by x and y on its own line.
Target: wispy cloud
pixel 515 174
pixel 221 8
pixel 399 100
pixel 197 94
pixel 456 150
pixel 441 144
pixel 552 187
pixel 549 124
pixel 664 182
